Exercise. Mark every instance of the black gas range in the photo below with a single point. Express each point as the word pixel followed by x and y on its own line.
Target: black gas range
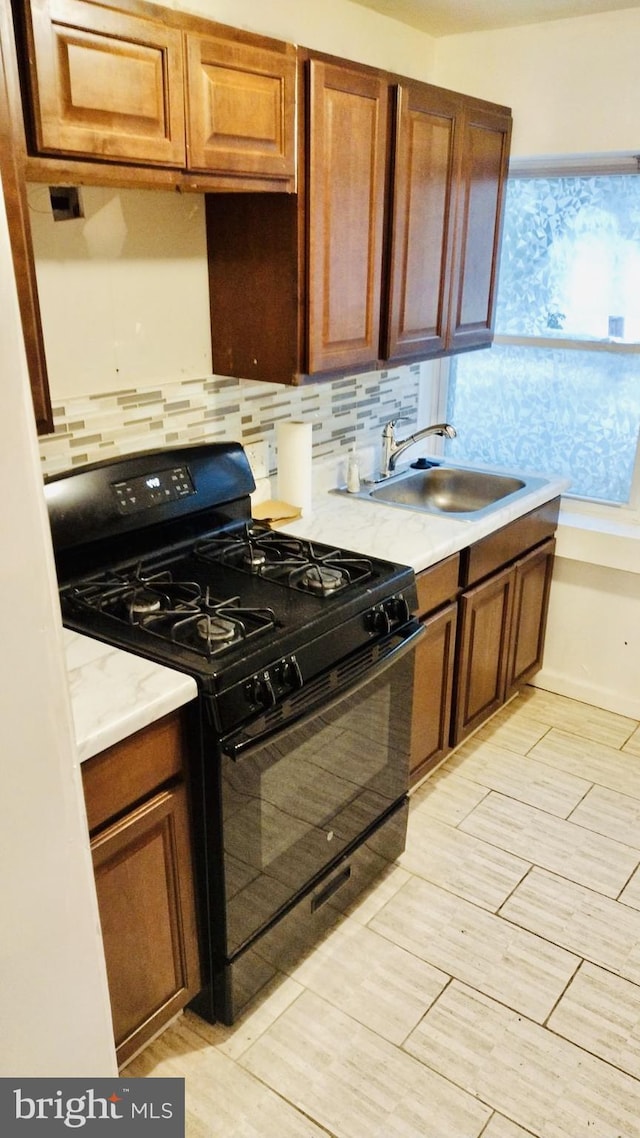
pixel 302 654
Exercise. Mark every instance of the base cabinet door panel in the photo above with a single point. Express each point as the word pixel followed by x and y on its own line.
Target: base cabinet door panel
pixel 529 620
pixel 432 693
pixel 145 898
pixel 483 651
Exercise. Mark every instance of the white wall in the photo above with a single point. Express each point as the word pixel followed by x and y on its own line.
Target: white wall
pixel 53 995
pixel 335 26
pixel 573 88
pixel 572 84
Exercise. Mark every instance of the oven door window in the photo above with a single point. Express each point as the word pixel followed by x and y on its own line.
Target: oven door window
pixel 293 804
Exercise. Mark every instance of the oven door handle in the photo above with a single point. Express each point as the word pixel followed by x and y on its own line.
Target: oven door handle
pixel 239 745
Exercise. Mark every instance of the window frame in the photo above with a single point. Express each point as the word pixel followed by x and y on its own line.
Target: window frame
pixel 625 512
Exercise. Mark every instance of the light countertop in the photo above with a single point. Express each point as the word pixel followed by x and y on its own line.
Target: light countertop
pixel 115 693
pixel 407 536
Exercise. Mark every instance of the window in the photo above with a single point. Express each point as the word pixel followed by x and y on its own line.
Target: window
pixel 559 391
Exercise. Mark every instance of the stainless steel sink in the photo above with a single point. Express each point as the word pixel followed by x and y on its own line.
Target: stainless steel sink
pixel 448 490
pixel 456 492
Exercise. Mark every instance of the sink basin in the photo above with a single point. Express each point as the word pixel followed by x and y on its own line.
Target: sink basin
pixel 448 490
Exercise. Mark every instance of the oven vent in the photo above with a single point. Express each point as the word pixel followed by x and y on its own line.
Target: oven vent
pixel 328 685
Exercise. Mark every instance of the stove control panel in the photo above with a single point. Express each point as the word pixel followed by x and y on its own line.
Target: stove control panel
pixel 153 489
pixel 266 688
pixel 388 615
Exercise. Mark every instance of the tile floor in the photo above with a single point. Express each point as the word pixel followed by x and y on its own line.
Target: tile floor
pixel 489 985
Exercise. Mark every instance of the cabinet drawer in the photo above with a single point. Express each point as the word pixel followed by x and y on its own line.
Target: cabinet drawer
pixel 510 542
pixel 124 774
pixel 438 584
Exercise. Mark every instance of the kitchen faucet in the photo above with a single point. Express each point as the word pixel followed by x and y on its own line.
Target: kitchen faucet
pixel 392 449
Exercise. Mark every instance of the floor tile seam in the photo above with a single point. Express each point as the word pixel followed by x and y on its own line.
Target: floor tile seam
pixel 283 1098
pixel 457 775
pixel 582 954
pixel 534 1023
pixel 594 1054
pixel 554 817
pixel 403 1054
pixel 553 764
pixel 502 1114
pixel 276 980
pixel 499 790
pixel 578 738
pixel 477 1093
pixel 454 976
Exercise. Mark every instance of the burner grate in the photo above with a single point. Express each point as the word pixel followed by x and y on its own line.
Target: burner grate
pixel 290 561
pixel 179 612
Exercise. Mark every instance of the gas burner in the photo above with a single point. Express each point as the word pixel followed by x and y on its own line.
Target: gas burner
pixel 217 625
pixel 253 559
pixel 176 611
pixel 143 602
pixel 322 579
pixel 215 628
pixel 290 561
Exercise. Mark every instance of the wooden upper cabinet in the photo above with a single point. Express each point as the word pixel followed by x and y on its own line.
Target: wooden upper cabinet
pixel 105 84
pixel 346 188
pixel 241 106
pixel 484 155
pixel 421 220
pixel 12 161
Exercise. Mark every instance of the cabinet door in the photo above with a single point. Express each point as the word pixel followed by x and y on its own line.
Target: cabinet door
pixel 105 84
pixel 241 107
pixel 348 111
pixel 432 692
pixel 529 621
pixel 484 154
pixel 12 156
pixel 483 653
pixel 145 897
pixel 421 221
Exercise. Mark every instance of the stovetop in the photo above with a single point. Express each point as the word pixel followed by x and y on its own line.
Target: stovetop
pixel 157 553
pixel 230 603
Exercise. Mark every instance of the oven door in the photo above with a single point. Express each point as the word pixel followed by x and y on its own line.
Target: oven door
pixel 298 797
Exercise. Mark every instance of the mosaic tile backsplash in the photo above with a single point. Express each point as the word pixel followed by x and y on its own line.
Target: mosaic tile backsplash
pixel 346 412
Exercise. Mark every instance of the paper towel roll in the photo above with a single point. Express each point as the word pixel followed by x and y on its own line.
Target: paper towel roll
pixel 293 440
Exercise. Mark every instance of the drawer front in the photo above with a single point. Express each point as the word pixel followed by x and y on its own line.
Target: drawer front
pixel 510 542
pixel 117 778
pixel 438 584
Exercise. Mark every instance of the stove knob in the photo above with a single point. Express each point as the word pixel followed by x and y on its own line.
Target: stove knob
pixel 377 620
pixel 260 691
pixel 291 674
pixel 398 610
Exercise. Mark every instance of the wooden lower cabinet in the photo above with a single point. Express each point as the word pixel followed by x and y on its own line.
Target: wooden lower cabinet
pixel 144 885
pixel 485 622
pixel 484 612
pixel 529 618
pixel 433 690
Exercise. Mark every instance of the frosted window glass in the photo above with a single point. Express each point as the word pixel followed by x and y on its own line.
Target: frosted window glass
pixel 570 269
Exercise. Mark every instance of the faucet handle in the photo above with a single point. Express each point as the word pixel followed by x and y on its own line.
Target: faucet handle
pixel 392 422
